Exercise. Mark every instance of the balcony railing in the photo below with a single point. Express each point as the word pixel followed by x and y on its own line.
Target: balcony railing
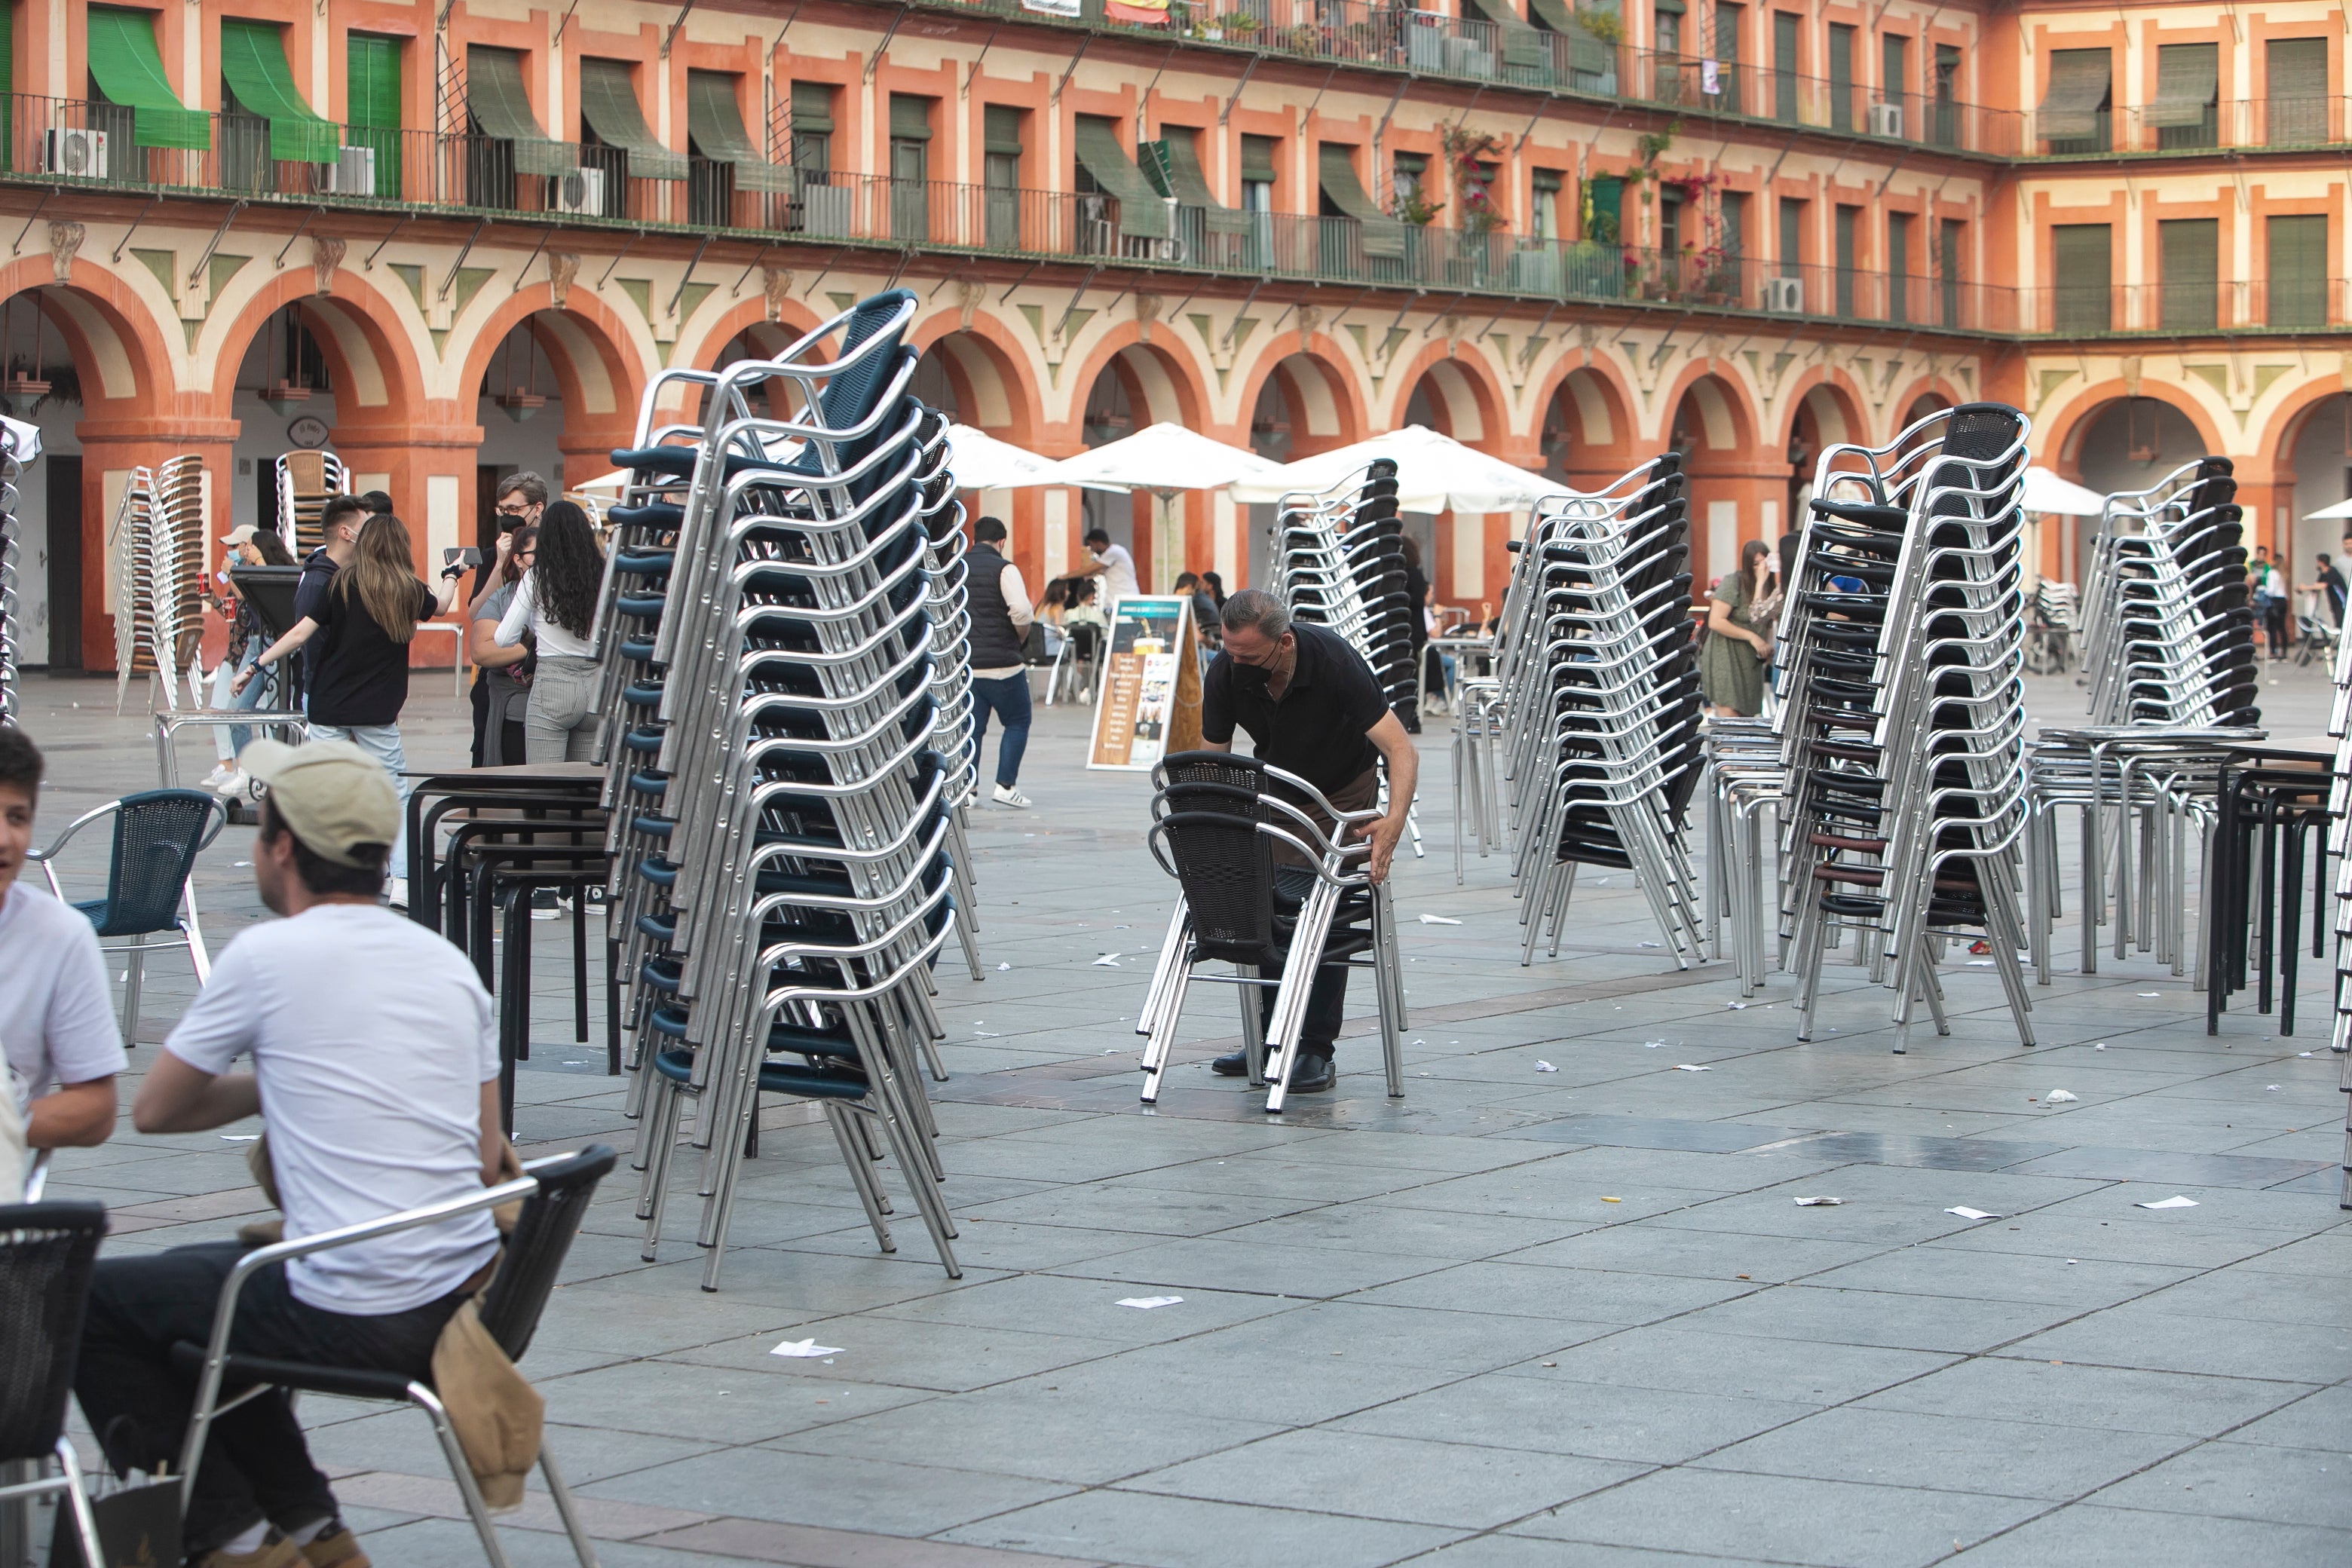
pixel 2247 122
pixel 2101 310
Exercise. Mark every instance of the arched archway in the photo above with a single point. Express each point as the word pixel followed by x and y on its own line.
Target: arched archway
pixel 553 391
pixel 1587 433
pixel 1461 555
pixel 2310 470
pixel 1139 385
pixel 1303 405
pixel 84 363
pixel 1737 489
pixel 975 382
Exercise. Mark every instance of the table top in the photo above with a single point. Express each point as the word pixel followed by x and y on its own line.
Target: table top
pixel 2305 748
pixel 574 774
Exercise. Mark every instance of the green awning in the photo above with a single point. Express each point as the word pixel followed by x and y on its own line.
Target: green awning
pixel 1382 235
pixel 609 104
pixel 1257 159
pixel 1520 46
pixel 1000 129
pixel 1142 211
pixel 812 107
pixel 497 98
pixel 129 70
pixel 2188 78
pixel 2079 79
pixel 715 121
pixel 1173 164
pixel 253 60
pixel 1672 7
pixel 910 118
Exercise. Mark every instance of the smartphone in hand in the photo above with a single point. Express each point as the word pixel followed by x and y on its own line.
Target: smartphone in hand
pixel 468 556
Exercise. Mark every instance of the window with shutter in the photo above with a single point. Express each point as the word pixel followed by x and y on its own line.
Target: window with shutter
pixel 1842 114
pixel 2074 113
pixel 812 132
pixel 1948 274
pixel 1895 79
pixel 2297 91
pixel 2188 80
pixel 371 106
pixel 1729 88
pixel 1793 236
pixel 2295 291
pixel 1946 130
pixel 2189 253
pixel 1784 65
pixel 2083 262
pixel 1898 267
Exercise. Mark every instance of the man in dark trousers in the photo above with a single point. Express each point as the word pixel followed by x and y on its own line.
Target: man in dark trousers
pixel 1315 709
pixel 1001 615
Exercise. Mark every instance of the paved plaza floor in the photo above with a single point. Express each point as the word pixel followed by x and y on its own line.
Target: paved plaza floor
pixel 1556 1306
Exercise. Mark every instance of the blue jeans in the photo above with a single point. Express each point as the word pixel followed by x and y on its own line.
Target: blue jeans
pixel 1009 700
pixel 231 739
pixel 381 741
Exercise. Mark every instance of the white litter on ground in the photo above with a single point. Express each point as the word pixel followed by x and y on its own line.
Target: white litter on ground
pixel 807 1349
pixel 1966 1213
pixel 1145 1303
pixel 1691 1067
pixel 1546 1067
pixel 2060 1097
pixel 1439 920
pixel 2174 1202
pixel 1107 961
pixel 1820 1203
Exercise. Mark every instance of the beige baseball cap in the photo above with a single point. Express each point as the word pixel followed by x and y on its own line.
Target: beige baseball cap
pixel 241 534
pixel 331 794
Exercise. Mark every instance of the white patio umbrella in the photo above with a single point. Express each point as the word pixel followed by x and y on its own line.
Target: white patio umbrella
pixel 2329 513
pixel 2045 492
pixel 1435 473
pixel 981 462
pixel 1165 458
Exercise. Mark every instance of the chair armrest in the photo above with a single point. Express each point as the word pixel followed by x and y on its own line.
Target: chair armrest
pixel 42 856
pixel 224 1311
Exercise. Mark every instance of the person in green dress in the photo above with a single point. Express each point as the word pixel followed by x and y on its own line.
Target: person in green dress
pixel 1739 634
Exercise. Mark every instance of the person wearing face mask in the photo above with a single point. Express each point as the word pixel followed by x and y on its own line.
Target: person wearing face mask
pixel 247 546
pixel 1315 709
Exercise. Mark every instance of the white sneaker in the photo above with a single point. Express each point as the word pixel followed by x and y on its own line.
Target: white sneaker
pixel 1012 797
pixel 396 893
pixel 222 772
pixel 236 783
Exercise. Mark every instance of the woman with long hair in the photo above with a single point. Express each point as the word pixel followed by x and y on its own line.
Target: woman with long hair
pixel 556 604
pixel 1739 634
pixel 499 672
pixel 359 678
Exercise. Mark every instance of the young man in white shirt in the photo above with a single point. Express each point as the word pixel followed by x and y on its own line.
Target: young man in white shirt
pixel 1115 566
pixel 58 1028
pixel 375 1065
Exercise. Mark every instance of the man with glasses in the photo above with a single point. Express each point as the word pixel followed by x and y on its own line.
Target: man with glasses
pixel 522 496
pixel 1315 710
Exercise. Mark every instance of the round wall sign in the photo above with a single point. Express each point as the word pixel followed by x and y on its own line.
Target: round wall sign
pixel 309 432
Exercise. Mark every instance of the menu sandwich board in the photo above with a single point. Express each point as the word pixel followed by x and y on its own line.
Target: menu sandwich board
pixel 1149 701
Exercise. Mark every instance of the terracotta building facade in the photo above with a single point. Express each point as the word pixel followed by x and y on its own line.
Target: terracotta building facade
pixel 452 240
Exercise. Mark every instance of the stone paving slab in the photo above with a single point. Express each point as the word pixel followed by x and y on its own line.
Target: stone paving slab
pixel 1517 1319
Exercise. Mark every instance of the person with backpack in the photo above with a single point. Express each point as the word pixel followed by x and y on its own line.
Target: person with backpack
pixel 363 626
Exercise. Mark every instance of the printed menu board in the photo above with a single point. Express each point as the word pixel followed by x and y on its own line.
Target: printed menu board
pixel 1150 703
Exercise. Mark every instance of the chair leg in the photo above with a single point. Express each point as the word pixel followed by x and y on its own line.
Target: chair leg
pixel 136 972
pixel 581 1546
pixel 77 1499
pixel 461 1472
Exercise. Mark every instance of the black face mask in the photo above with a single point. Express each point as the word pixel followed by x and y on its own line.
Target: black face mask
pixel 1251 677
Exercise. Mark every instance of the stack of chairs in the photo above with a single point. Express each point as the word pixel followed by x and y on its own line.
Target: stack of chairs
pixel 1601 706
pixel 951 609
pixel 161 547
pixel 306 480
pixel 2057 616
pixel 1903 729
pixel 2339 844
pixel 1266 890
pixel 2168 656
pixel 1743 762
pixel 1341 565
pixel 783 814
pixel 12 653
pixel 2168 629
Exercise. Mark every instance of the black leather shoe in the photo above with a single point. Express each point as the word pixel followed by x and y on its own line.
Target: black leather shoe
pixel 1234 1064
pixel 1311 1074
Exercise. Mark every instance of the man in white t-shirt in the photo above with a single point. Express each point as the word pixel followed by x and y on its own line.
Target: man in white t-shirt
pixel 375 1067
pixel 56 1018
pixel 1115 566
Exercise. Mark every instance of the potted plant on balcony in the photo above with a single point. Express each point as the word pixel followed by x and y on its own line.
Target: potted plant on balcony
pixel 1239 27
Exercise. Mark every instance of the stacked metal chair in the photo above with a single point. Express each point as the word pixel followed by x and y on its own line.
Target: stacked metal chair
pixel 945 542
pixel 2166 625
pixel 306 481
pixel 160 541
pixel 1601 707
pixel 12 464
pixel 1903 729
pixel 783 815
pixel 2339 844
pixel 1262 888
pixel 1341 565
pixel 1749 784
pixel 2168 656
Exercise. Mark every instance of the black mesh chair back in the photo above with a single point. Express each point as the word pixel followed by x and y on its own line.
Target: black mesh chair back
pixel 535 1252
pixel 47 1251
pixel 156 836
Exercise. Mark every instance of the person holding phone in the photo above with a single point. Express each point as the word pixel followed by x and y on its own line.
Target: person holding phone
pixel 556 604
pixel 363 626
pixel 499 671
pixel 248 546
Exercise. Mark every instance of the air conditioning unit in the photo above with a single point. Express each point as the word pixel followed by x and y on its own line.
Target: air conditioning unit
pixel 353 174
pixel 1785 295
pixel 1886 119
pixel 81 153
pixel 579 191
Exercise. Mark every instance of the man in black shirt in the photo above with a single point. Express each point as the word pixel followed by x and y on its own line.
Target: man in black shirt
pixel 338 527
pixel 1315 710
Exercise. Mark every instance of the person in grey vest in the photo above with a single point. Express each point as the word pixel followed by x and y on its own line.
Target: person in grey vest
pixel 1001 614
